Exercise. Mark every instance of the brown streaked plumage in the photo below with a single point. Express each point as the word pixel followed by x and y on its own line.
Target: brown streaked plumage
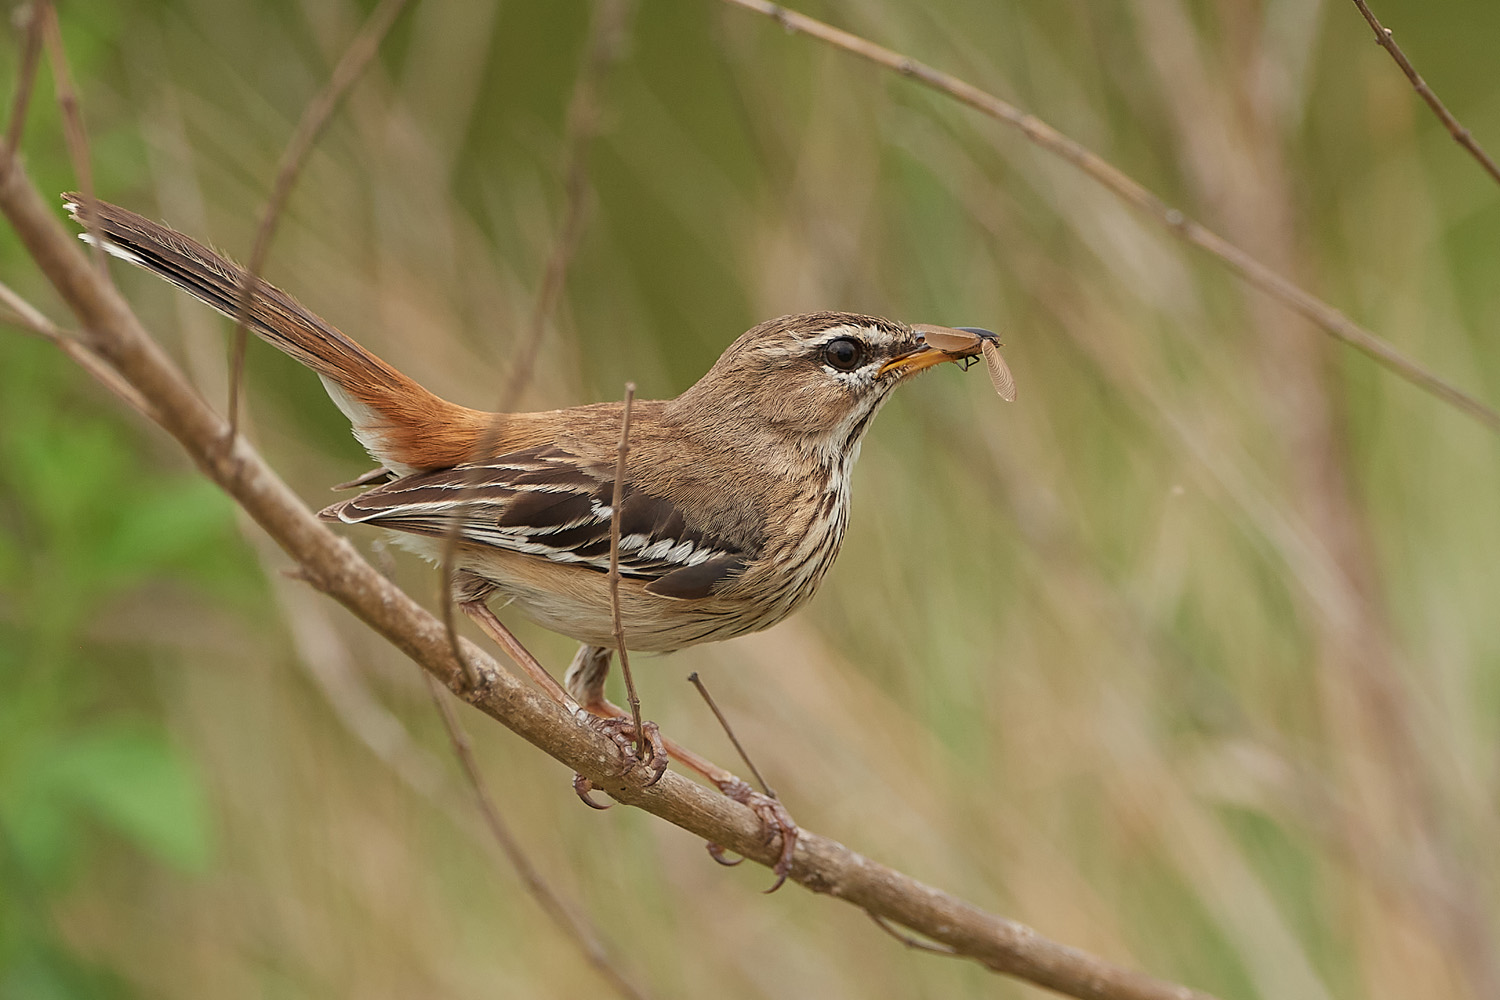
pixel 736 494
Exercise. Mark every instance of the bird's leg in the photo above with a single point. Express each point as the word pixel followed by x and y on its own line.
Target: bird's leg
pixel 469 593
pixel 480 613
pixel 621 735
pixel 585 682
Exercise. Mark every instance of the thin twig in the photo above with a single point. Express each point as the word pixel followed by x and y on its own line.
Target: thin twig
pixel 908 940
pixel 387 738
pixel 697 682
pixel 445 610
pixel 29 317
pixel 68 104
pixel 583 935
pixel 314 118
pixel 606 42
pixel 1461 135
pixel 1324 316
pixel 26 316
pixel 614 568
pixel 29 19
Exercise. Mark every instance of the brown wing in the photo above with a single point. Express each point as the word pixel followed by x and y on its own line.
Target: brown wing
pixel 551 503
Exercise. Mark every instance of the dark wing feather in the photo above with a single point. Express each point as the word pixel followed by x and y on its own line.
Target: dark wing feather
pixel 696 581
pixel 548 502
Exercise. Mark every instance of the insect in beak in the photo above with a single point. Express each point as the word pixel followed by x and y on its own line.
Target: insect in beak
pixel 960 345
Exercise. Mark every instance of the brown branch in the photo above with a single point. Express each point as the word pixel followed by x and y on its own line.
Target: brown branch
pixel 314 119
pixel 327 663
pixel 1324 316
pixel 1461 135
pixel 583 935
pixel 334 567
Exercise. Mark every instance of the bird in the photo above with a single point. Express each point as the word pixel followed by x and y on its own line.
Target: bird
pixel 733 505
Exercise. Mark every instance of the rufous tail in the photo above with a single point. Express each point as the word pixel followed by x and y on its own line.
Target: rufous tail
pixel 402 424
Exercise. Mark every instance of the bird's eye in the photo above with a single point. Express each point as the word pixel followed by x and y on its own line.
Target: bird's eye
pixel 844 354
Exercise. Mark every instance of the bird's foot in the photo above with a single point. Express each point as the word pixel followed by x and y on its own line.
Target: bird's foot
pixel 776 820
pixel 621 731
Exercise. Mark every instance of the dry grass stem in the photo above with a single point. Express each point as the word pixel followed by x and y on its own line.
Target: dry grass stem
pixel 1324 316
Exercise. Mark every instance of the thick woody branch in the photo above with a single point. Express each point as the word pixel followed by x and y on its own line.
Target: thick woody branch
pixel 332 565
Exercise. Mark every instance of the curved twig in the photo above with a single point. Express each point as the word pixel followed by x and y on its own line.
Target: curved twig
pixel 1330 320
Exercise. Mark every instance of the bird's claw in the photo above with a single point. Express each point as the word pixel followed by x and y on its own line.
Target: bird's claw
pixel 716 851
pixel 621 731
pixel 776 820
pixel 583 786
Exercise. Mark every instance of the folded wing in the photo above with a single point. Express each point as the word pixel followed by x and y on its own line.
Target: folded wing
pixel 551 503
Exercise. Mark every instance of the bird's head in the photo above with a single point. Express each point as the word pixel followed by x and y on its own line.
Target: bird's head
pixel 820 377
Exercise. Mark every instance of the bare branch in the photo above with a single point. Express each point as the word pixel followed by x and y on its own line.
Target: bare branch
pixel 1326 317
pixel 334 567
pixel 1461 135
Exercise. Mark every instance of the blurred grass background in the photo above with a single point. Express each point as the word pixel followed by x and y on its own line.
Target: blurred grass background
pixel 1189 657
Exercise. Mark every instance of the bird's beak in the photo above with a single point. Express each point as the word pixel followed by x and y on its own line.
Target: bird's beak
pixel 939 344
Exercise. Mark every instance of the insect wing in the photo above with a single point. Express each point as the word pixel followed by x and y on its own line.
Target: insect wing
pixel 947 339
pixel 1005 383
